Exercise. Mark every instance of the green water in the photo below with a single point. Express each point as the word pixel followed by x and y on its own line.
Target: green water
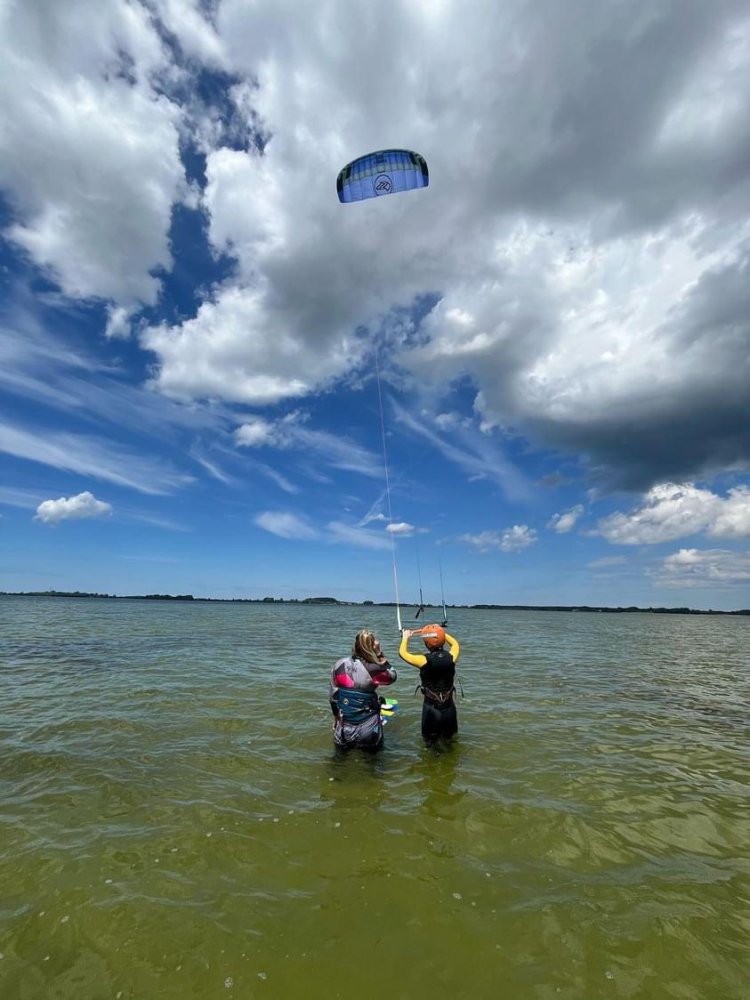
pixel 174 822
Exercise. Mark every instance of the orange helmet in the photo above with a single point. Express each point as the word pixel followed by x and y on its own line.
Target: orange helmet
pixel 433 636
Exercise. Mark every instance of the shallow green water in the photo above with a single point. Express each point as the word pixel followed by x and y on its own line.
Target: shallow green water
pixel 174 822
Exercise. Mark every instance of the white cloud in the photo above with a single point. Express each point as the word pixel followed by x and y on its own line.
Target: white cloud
pixel 154 520
pixel 187 21
pixel 520 536
pixel 589 255
pixel 672 510
pixel 450 421
pixel 255 432
pixel 514 539
pixel 401 528
pixel 476 454
pixel 285 525
pixel 64 374
pixel 338 451
pixel 89 150
pixel 277 477
pixel 91 456
pixel 351 534
pixel 565 521
pixel 290 432
pixel 293 526
pixel 118 322
pixel 569 253
pixel 733 519
pixel 370 516
pixel 84 505
pixel 19 498
pixel 235 349
pixel 703 567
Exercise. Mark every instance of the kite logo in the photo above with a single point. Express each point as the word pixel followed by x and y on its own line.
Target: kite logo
pixel 383 184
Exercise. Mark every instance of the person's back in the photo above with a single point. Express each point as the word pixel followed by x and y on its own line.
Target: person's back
pixel 353 694
pixel 437 672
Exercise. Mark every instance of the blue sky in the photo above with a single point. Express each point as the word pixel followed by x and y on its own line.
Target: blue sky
pixel 191 325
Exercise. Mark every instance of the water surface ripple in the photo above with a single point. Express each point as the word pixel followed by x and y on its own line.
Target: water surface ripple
pixel 175 824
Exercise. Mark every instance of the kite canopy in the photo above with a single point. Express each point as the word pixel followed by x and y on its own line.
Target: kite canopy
pixel 385 172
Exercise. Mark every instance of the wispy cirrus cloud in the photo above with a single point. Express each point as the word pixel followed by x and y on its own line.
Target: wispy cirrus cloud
pixel 56 374
pixel 27 499
pixel 91 456
pixel 475 453
pixel 291 433
pixel 213 468
pixel 286 525
pixel 147 517
pixel 352 534
pixel 282 481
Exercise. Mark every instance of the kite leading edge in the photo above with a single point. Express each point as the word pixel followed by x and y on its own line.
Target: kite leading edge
pixel 386 171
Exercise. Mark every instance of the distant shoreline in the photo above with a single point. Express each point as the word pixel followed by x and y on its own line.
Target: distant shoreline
pixel 332 601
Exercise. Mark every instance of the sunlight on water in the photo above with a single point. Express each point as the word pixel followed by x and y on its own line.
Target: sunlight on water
pixel 175 822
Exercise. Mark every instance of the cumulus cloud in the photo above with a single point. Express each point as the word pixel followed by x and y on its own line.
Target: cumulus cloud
pixel 118 322
pixel 450 421
pixel 514 539
pixel 89 146
pixel 285 525
pixel 83 505
pixel 700 567
pixel 520 536
pixel 733 518
pixel 585 236
pixel 401 528
pixel 565 521
pixel 189 21
pixel 671 511
pixel 255 432
pixel 589 252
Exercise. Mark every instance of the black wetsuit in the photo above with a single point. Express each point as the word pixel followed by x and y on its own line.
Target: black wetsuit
pixel 437 676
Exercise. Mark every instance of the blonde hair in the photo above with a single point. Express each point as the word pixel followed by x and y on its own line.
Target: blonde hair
pixel 364 646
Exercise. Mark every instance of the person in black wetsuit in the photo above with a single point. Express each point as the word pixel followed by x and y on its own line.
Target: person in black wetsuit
pixel 437 672
pixel 353 694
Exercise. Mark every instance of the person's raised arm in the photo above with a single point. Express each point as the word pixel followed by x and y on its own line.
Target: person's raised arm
pixel 415 659
pixel 455 649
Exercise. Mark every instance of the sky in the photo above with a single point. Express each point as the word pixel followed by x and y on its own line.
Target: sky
pixel 531 378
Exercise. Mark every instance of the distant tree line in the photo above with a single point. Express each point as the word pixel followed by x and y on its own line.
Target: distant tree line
pixel 381 604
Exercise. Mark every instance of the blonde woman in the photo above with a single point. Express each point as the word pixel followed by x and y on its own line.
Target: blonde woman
pixel 353 694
